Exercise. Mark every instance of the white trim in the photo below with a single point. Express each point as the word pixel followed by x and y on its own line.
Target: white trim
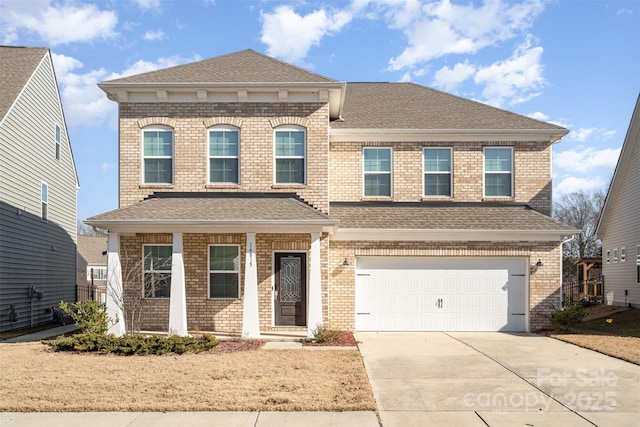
pixel 370 234
pixel 224 128
pixel 178 293
pixel 44 212
pixel 144 270
pixel 211 227
pixel 615 255
pixel 484 172
pixel 364 173
pixel 158 128
pixel 209 271
pixel 57 137
pixel 424 172
pixel 446 135
pixel 250 307
pixel 114 294
pixel 290 128
pixel 314 294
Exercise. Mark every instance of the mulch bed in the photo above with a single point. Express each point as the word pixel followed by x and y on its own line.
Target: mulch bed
pixel 345 339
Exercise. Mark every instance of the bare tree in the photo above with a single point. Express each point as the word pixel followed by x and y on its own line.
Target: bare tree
pixel 133 292
pixel 86 230
pixel 580 210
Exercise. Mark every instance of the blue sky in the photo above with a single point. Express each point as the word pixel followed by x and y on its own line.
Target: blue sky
pixel 574 63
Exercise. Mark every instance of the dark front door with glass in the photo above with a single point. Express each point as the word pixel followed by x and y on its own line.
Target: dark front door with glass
pixel 290 291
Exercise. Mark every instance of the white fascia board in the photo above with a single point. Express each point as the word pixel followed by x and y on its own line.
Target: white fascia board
pixel 210 227
pixel 429 135
pixel 368 234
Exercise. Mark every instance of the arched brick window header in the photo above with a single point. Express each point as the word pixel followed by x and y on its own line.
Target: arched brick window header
pixel 148 121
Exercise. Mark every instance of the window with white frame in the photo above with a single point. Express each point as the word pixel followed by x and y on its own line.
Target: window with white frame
pixel 224 271
pixel 498 172
pixel 608 256
pixel 377 172
pixel 157 271
pixel 99 273
pixel 44 201
pixel 157 153
pixel 58 137
pixel 437 171
pixel 290 155
pixel 224 155
pixel 623 254
pixel 615 255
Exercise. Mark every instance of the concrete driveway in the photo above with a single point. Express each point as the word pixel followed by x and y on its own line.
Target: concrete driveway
pixel 496 379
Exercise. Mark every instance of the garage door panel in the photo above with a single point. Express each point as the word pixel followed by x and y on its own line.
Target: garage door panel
pixel 402 293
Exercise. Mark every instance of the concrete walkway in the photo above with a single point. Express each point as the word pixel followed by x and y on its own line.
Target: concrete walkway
pixel 497 379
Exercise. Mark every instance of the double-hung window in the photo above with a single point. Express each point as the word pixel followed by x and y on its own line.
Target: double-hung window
pixel 290 155
pixel 608 256
pixel 157 271
pixel 437 172
pixel 498 172
pixel 377 172
pixel 99 273
pixel 615 255
pixel 44 201
pixel 224 271
pixel 623 254
pixel 157 152
pixel 224 155
pixel 58 137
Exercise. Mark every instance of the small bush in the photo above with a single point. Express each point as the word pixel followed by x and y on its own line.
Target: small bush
pixel 90 316
pixel 568 315
pixel 133 344
pixel 322 335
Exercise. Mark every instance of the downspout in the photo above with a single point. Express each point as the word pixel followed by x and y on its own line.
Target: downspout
pixel 567 240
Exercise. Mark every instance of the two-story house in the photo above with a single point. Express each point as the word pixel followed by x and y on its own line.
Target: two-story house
pixel 262 197
pixel 38 188
pixel 619 223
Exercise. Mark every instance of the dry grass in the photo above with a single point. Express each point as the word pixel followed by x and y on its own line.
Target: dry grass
pixel 257 380
pixel 625 348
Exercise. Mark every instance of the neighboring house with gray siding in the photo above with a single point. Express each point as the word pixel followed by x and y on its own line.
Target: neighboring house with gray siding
pixel 619 224
pixel 38 187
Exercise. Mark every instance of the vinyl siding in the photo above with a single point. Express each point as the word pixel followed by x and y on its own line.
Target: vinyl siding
pixel 622 230
pixel 28 158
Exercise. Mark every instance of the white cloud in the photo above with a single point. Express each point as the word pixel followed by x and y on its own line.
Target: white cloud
pixel 514 80
pixel 107 167
pixel 538 115
pixel 449 78
pixel 440 28
pixel 624 11
pixel 154 35
pixel 289 36
pixel 84 103
pixel 584 134
pixel 586 159
pixel 57 23
pixel 148 4
pixel 571 184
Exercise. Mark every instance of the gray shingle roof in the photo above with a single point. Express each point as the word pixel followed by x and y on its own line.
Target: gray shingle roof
pixel 91 248
pixel 17 64
pixel 247 66
pixel 217 208
pixel 444 216
pixel 411 106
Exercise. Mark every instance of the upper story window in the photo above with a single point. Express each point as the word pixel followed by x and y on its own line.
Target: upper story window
pixel 44 201
pixel 437 171
pixel 99 273
pixel 608 256
pixel 615 255
pixel 224 155
pixel 377 172
pixel 58 136
pixel 498 172
pixel 157 153
pixel 224 271
pixel 623 254
pixel 290 155
pixel 157 271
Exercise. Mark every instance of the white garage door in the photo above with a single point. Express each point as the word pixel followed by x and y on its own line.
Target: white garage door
pixel 440 294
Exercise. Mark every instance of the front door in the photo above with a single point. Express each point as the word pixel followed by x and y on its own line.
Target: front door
pixel 290 289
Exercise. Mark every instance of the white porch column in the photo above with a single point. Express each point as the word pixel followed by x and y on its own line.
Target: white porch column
pixel 250 319
pixel 178 298
pixel 315 287
pixel 115 294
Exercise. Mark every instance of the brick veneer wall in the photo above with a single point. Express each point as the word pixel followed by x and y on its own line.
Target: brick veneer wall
pixel 205 314
pixel 544 284
pixel 532 171
pixel 256 121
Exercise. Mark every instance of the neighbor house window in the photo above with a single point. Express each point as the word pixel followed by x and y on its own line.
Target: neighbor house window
pixel 44 201
pixel 157 271
pixel 615 255
pixel 377 172
pixel 437 172
pixel 623 254
pixel 224 271
pixel 638 264
pixel 608 256
pixel 58 130
pixel 157 155
pixel 224 155
pixel 290 155
pixel 498 172
pixel 99 273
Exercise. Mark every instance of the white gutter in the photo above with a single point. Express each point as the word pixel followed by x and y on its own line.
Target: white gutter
pixel 478 135
pixel 373 234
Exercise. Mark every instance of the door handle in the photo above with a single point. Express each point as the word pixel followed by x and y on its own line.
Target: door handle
pixel 439 303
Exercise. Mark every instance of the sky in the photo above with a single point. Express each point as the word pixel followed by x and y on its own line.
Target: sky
pixel 575 63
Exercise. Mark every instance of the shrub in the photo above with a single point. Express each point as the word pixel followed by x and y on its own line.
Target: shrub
pixel 90 316
pixel 322 335
pixel 132 344
pixel 568 315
